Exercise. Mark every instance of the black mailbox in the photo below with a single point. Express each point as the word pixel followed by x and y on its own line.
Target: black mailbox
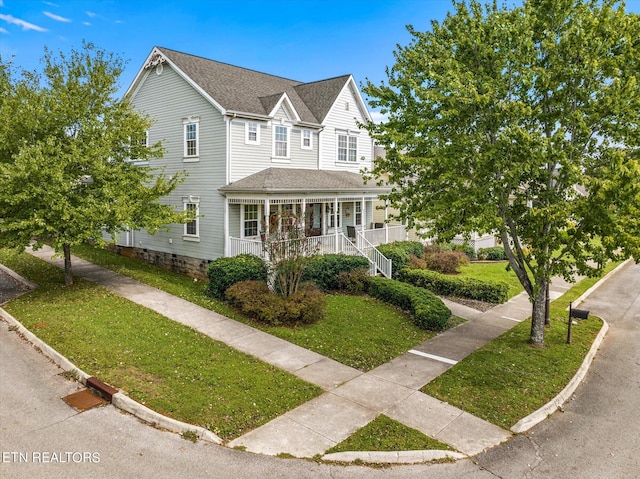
pixel 578 313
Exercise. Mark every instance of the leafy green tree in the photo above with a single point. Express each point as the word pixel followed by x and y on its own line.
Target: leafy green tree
pixel 66 150
pixel 524 122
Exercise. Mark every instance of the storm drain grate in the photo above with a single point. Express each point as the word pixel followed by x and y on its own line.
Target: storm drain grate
pixel 83 400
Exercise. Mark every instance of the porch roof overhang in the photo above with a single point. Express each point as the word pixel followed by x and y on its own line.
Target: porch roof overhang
pixel 290 183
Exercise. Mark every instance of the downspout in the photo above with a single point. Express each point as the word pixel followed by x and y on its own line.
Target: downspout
pixel 335 220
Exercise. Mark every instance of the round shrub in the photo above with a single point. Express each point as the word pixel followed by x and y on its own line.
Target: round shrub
pixel 447 262
pixel 254 299
pixel 354 281
pixel 399 253
pixel 225 272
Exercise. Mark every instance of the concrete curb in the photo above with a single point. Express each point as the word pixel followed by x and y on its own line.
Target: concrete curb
pixel 119 400
pixel 393 457
pixel 607 276
pixel 556 403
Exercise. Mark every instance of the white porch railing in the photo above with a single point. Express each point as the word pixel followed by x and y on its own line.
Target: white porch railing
pixel 383 264
pixel 386 234
pixel 327 244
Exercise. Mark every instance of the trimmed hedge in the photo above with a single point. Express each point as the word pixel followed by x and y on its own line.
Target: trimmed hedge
pixel 495 253
pixel 225 272
pixel 324 270
pixel 254 299
pixel 429 312
pixel 399 253
pixel 472 288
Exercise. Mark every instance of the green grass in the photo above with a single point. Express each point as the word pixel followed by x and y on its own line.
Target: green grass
pixel 507 379
pixel 385 434
pixel 169 367
pixel 495 271
pixel 358 331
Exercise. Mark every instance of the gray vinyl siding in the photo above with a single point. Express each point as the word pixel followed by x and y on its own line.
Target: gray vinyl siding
pixel 339 119
pixel 168 99
pixel 247 159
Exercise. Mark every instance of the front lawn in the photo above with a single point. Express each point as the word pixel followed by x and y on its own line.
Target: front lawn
pixel 358 331
pixel 507 379
pixel 169 367
pixel 494 271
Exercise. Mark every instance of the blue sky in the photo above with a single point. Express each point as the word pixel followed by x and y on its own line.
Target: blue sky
pixel 304 40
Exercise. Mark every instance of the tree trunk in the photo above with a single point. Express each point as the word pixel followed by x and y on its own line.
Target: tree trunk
pixel 538 315
pixel 68 275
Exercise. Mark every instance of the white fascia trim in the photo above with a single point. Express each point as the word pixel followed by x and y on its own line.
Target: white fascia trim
pixel 186 78
pixel 282 99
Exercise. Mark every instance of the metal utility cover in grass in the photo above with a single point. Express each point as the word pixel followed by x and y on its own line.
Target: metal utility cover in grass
pixel 83 400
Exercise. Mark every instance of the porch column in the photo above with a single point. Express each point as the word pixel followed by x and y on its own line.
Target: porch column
pixel 386 223
pixel 267 212
pixel 363 210
pixel 226 227
pixel 335 221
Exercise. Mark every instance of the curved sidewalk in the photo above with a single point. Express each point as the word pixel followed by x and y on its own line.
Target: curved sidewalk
pixel 351 398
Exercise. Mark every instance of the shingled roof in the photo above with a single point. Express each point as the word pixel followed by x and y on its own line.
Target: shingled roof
pixel 278 180
pixel 239 89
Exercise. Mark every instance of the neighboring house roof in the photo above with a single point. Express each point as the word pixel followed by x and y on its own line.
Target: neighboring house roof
pixel 240 90
pixel 278 180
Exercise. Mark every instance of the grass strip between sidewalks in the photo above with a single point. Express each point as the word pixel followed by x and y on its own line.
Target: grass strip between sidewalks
pixel 167 366
pixel 386 434
pixel 357 331
pixel 507 379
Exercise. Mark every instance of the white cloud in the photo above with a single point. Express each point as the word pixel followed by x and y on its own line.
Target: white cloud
pixel 90 14
pixel 49 3
pixel 86 23
pixel 57 18
pixel 22 23
pixel 378 117
pixel 3 30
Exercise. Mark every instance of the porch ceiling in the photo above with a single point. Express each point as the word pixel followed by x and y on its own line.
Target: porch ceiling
pixel 308 183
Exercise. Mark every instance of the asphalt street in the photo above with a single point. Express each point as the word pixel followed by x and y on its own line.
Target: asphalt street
pixel 595 437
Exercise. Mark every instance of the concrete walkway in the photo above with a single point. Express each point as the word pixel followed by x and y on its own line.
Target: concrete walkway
pixel 351 399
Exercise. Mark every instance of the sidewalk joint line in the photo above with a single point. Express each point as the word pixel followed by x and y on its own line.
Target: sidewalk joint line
pixel 433 356
pixel 512 319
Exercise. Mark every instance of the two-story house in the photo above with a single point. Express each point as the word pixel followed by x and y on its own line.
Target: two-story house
pixel 255 147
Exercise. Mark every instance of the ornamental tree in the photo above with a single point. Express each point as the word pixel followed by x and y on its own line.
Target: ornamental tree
pixel 67 150
pixel 524 122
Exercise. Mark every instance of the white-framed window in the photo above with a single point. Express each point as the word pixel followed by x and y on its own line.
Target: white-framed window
pixel 332 218
pixel 252 133
pixel 191 137
pixel 357 220
pixel 250 215
pixel 192 228
pixel 280 141
pixel 306 140
pixel 347 147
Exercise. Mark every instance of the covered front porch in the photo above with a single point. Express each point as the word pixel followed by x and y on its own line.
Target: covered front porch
pixel 335 210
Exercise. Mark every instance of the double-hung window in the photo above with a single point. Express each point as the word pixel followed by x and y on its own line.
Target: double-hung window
pixel 306 140
pixel 252 133
pixel 280 141
pixel 250 221
pixel 347 147
pixel 191 138
pixel 192 228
